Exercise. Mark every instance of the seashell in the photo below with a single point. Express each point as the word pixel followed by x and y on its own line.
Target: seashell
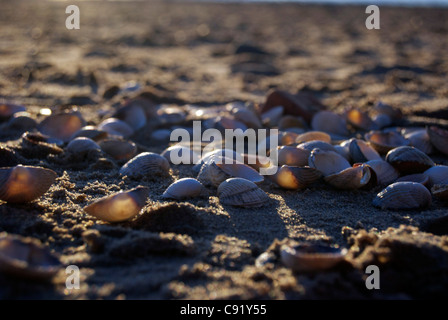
pixel 408 160
pixel 171 115
pixel 360 120
pixel 8 157
pixel 21 184
pixel 161 135
pixel 290 177
pixel 248 117
pixel 272 117
pixel 287 138
pixel 403 195
pixel 146 164
pixel 116 127
pixel 360 151
pixel 82 146
pixel 437 175
pixel 417 177
pixel 183 188
pixel 132 114
pixel 382 120
pixel 420 140
pixel 329 122
pixel 7 110
pixel 178 154
pixel 292 156
pixel 313 136
pixel 393 113
pixel 21 121
pixel 208 157
pixel 383 141
pixel 311 145
pixel 344 149
pixel 440 191
pixel 118 149
pixel 241 193
pixel 41 144
pixel 439 138
pixel 350 178
pixel 311 257
pixel 26 258
pixel 327 162
pixel 385 173
pixel 256 161
pixel 223 123
pixel 120 206
pixel 289 121
pixel 90 132
pixel 61 126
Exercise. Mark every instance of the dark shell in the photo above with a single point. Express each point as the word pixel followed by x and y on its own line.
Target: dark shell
pixel 409 160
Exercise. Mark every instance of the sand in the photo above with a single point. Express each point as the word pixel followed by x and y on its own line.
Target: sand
pixel 191 54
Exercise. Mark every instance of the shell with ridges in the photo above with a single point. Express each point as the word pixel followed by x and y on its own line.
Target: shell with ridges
pixel 292 156
pixel 437 175
pixel 61 126
pixel 183 188
pixel 119 149
pixel 327 162
pixel 403 195
pixel 145 164
pixel 241 192
pixel 293 178
pixel 181 155
pixel 440 191
pixel 408 160
pixel 384 141
pixel 350 178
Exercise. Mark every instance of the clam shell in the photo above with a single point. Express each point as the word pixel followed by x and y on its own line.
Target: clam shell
pixel 90 132
pixel 256 161
pixel 27 258
pixel 360 120
pixel 242 193
pixel 37 143
pixel 385 173
pixel 360 151
pixel 383 108
pixel 120 206
pixel 293 178
pixel 116 127
pixel 21 184
pixel 171 115
pixel 183 154
pixel 313 136
pixel 289 121
pixel 132 114
pixel 223 123
pixel 408 160
pixel 82 146
pixel 383 142
pixel 382 120
pixel 403 195
pixel 183 188
pixel 420 140
pixel 311 257
pixel 439 138
pixel 119 149
pixel 22 121
pixel 146 164
pixel 248 117
pixel 417 177
pixel 61 126
pixel 437 175
pixel 292 156
pixel 272 117
pixel 329 122
pixel 8 109
pixel 316 144
pixel 210 156
pixel 350 178
pixel 440 191
pixel 327 162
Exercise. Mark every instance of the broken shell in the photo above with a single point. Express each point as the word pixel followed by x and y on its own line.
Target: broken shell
pixel 439 138
pixel 420 140
pixel 292 156
pixel 360 151
pixel 118 149
pixel 437 175
pixel 116 127
pixel 313 136
pixel 327 162
pixel 272 117
pixel 36 142
pixel 329 122
pixel 61 126
pixel 417 177
pixel 90 132
pixel 242 193
pixel 289 177
pixel 132 114
pixel 350 178
pixel 440 191
pixel 26 258
pixel 145 164
pixel 383 142
pixel 82 146
pixel 403 195
pixel 408 160
pixel 22 184
pixel 360 120
pixel 178 154
pixel 8 109
pixel 120 206
pixel 183 188
pixel 385 173
pixel 311 257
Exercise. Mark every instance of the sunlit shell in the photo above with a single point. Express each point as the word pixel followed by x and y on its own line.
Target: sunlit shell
pixel 292 156
pixel 439 138
pixel 21 184
pixel 256 161
pixel 350 178
pixel 385 173
pixel 36 142
pixel 146 164
pixel 420 140
pixel 384 141
pixel 8 109
pixel 272 117
pixel 132 114
pixel 416 177
pixel 61 126
pixel 82 146
pixel 223 123
pixel 311 257
pixel 437 175
pixel 183 188
pixel 118 149
pixel 248 117
pixel 403 195
pixel 327 162
pixel 26 258
pixel 313 136
pixel 360 120
pixel 329 122
pixel 289 177
pixel 360 151
pixel 316 144
pixel 120 206
pixel 116 127
pixel 408 160
pixel 208 157
pixel 242 193
pixel 344 149
pixel 440 191
pixel 22 121
pixel 289 121
pixel 90 132
pixel 178 154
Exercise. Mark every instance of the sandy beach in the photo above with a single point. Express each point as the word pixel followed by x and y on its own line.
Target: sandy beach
pixel 209 55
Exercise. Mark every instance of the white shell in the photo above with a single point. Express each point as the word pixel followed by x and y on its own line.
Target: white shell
pixel 145 164
pixel 181 155
pixel 241 192
pixel 183 188
pixel 403 195
pixel 327 162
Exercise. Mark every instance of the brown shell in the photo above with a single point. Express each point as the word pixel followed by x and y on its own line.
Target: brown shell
pixel 292 156
pixel 416 177
pixel 440 191
pixel 289 177
pixel 118 149
pixel 37 143
pixel 360 120
pixel 8 109
pixel 61 126
pixel 312 136
pixel 90 132
pixel 350 178
pixel 408 160
pixel 420 140
pixel 384 141
pixel 329 122
pixel 327 162
pixel 242 193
